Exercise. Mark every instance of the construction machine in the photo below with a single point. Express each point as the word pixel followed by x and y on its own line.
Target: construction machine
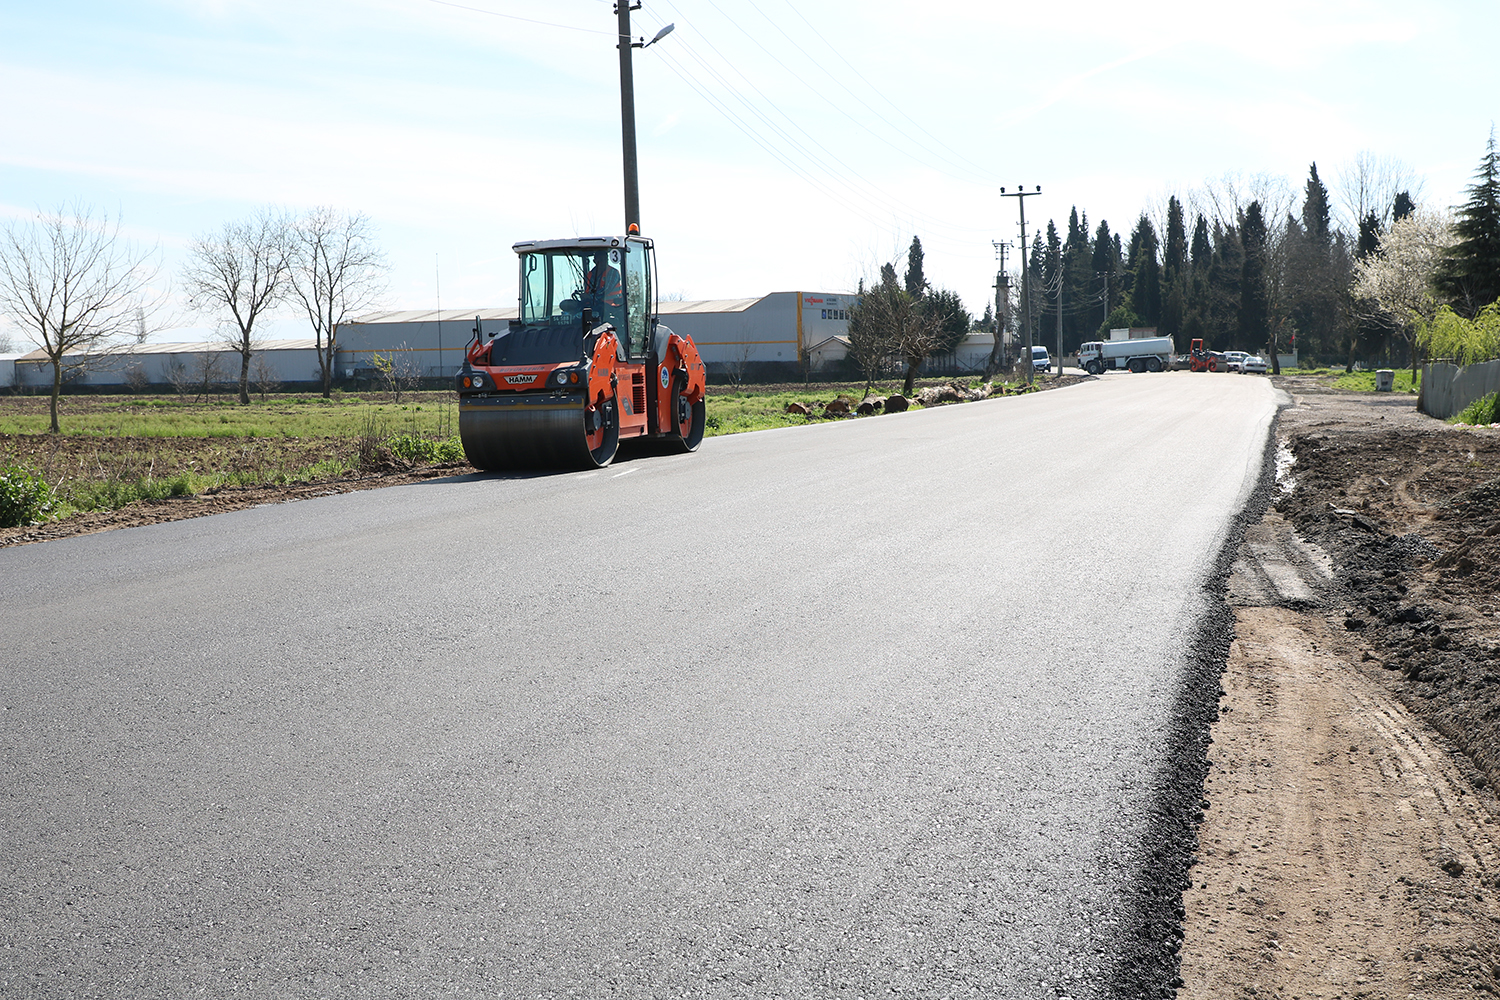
pixel 584 366
pixel 1200 360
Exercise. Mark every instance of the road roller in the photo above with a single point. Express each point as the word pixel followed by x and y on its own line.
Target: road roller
pixel 584 366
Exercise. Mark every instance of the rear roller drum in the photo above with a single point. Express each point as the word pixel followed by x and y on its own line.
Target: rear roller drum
pixel 602 432
pixel 689 419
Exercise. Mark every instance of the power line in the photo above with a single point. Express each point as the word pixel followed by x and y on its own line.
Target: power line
pixel 775 143
pixel 514 17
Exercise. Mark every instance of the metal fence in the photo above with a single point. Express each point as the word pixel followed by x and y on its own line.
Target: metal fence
pixel 1448 389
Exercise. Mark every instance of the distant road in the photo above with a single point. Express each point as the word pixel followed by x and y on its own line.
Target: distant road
pixel 841 710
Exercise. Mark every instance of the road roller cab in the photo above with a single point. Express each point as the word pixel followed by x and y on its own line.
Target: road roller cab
pixel 584 366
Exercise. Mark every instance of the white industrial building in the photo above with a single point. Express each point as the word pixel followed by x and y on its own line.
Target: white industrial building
pixel 770 336
pixel 761 334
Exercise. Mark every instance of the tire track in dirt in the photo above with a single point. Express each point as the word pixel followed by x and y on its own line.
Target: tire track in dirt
pixel 1347 848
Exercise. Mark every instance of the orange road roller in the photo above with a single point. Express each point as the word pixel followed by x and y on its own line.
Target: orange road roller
pixel 584 367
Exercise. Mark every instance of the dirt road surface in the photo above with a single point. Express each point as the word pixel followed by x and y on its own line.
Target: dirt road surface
pixel 1350 844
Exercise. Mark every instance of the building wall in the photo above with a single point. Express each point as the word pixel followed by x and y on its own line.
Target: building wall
pixel 289 362
pixel 764 335
pixel 769 331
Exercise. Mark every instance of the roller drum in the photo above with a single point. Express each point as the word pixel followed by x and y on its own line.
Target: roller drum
pixel 500 433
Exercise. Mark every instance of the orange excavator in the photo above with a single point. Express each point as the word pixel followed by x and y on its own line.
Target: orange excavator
pixel 583 367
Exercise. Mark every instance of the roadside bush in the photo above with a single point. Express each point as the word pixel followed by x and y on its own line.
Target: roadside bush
pixel 413 449
pixel 1483 411
pixel 25 497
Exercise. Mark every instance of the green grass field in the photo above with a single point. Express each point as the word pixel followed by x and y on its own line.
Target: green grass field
pixel 285 416
pixel 114 450
pixel 1365 381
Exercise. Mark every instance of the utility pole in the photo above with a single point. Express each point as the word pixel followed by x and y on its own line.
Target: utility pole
pixel 999 356
pixel 627 119
pixel 1061 262
pixel 1020 194
pixel 1104 294
pixel 627 112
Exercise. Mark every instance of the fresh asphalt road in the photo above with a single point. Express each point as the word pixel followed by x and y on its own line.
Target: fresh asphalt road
pixel 856 708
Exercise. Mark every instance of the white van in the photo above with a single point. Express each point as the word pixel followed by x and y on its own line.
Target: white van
pixel 1040 360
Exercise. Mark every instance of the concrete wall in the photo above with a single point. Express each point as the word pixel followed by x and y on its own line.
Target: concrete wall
pixel 1448 389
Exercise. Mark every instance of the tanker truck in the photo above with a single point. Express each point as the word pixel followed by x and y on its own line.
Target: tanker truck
pixel 1143 354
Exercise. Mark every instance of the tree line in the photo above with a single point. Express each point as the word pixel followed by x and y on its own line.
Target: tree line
pixel 76 287
pixel 1255 270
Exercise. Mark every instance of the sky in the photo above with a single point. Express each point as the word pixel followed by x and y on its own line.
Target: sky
pixel 782 145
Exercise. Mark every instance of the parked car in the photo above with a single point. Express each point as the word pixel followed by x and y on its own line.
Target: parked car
pixel 1233 361
pixel 1254 364
pixel 1040 360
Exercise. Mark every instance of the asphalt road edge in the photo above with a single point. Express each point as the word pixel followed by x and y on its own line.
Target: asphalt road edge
pixel 1147 963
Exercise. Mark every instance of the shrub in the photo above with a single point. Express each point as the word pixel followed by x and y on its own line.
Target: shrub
pixel 25 497
pixel 1483 411
pixel 414 449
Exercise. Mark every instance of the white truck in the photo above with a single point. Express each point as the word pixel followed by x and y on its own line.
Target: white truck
pixel 1143 354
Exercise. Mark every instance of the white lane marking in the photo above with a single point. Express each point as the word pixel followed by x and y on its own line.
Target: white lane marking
pixel 619 474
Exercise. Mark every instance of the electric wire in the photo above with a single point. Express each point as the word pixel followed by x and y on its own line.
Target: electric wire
pixel 982 172
pixel 814 90
pixel 515 17
pixel 955 239
pixel 869 191
pixel 963 236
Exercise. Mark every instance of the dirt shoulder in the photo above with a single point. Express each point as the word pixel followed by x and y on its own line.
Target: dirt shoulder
pixel 1350 844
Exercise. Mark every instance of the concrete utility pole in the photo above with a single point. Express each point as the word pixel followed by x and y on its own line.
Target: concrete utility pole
pixel 627 119
pixel 1061 259
pixel 999 356
pixel 1021 195
pixel 627 112
pixel 1105 295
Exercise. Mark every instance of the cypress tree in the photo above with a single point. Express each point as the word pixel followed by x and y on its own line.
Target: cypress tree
pixel 1402 206
pixel 1254 329
pixel 1222 304
pixel 1315 210
pixel 1469 274
pixel 1202 250
pixel 1370 231
pixel 916 280
pixel 1145 272
pixel 1174 275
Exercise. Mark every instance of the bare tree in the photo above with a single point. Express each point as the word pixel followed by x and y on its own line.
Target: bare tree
pixel 336 271
pixel 1226 199
pixel 739 361
pixel 240 273
pixel 263 372
pixel 397 371
pixel 885 321
pixel 1369 183
pixel 73 285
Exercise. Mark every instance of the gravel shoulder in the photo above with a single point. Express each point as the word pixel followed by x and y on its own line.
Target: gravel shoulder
pixel 1350 844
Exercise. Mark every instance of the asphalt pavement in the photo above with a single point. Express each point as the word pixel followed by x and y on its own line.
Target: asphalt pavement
pixel 866 707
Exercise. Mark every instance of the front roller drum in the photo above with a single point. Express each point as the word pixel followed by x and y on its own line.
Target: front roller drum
pixel 503 433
